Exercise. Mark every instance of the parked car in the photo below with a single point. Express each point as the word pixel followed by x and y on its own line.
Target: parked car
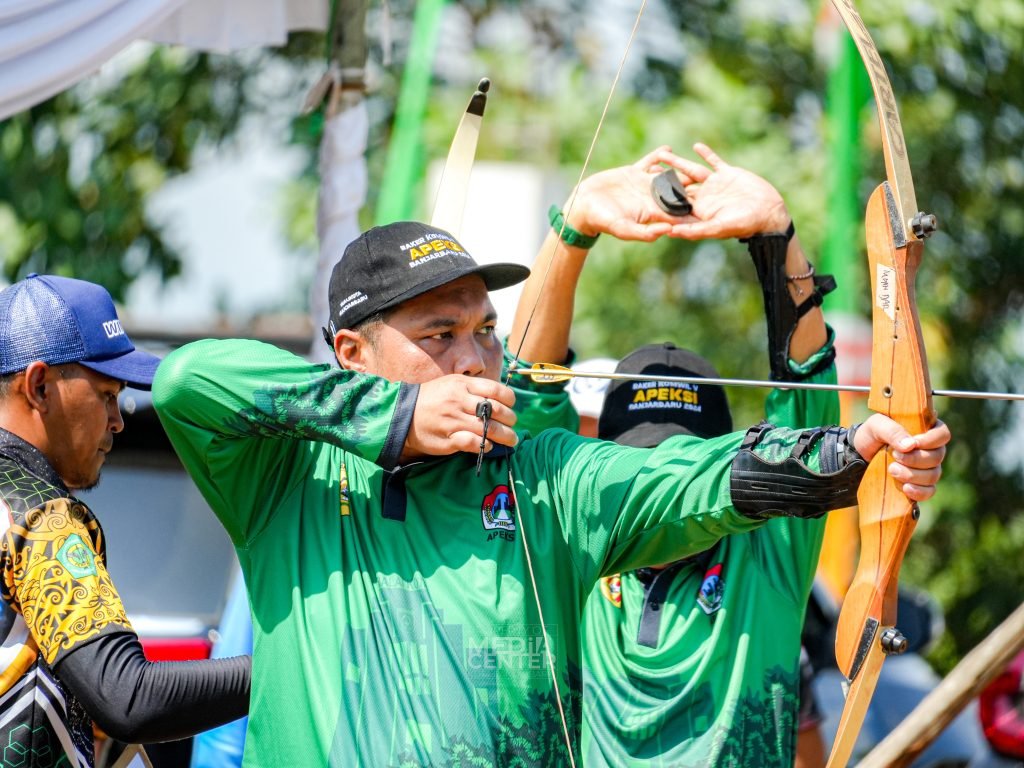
pixel 169 557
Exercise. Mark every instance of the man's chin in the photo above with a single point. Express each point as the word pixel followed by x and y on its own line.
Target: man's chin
pixel 85 484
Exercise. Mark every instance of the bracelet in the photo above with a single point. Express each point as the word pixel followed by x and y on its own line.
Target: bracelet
pixel 805 275
pixel 568 235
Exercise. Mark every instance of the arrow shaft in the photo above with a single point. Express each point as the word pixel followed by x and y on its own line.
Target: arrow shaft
pixel 560 375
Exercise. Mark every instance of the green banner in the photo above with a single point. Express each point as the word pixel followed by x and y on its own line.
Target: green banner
pixel 843 249
pixel 403 168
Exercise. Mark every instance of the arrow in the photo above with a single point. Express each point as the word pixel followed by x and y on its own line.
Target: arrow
pixel 548 373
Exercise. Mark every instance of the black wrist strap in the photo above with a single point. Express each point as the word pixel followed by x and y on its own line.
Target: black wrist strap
pixel 768 252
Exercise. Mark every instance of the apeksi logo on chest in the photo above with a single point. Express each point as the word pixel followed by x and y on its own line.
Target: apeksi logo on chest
pixel 498 513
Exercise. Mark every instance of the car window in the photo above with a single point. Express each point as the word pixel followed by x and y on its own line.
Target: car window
pixel 167 554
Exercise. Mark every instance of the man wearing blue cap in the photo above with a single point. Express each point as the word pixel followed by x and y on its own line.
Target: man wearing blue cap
pixel 69 656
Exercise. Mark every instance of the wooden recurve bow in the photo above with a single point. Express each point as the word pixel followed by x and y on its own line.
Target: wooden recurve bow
pixel 900 389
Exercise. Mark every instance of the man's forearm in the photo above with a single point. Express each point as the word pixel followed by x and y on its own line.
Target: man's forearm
pixel 135 700
pixel 810 334
pixel 239 388
pixel 554 299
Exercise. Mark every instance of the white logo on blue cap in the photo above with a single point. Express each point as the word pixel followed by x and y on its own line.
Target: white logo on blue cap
pixel 113 329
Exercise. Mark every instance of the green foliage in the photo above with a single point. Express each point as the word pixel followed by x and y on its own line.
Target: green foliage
pixel 74 180
pixel 75 171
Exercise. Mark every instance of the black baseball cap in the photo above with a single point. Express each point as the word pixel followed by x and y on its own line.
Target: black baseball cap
pixel 387 265
pixel 643 413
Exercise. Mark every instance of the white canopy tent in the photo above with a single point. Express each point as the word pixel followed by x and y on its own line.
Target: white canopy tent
pixel 46 46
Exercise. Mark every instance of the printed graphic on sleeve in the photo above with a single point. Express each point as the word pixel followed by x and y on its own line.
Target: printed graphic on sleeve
pixel 310 410
pixel 57 578
pixel 77 557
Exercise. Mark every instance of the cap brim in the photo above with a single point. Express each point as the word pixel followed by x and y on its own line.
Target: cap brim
pixel 136 368
pixel 495 277
pixel 647 435
pixel 504 275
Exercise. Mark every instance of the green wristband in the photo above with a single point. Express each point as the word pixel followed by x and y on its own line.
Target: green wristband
pixel 569 235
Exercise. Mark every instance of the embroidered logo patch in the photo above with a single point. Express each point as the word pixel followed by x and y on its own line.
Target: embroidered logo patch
pixel 710 596
pixel 344 502
pixel 498 511
pixel 76 557
pixel 611 588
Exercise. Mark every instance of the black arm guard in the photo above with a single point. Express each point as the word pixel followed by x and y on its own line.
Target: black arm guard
pixel 762 489
pixel 782 313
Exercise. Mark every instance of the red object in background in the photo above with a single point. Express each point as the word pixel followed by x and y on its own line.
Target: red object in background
pixel 1001 707
pixel 176 649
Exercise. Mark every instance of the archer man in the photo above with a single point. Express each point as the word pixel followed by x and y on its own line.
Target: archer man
pixel 408 609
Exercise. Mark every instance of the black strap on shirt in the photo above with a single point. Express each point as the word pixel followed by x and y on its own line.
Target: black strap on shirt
pixel 656 583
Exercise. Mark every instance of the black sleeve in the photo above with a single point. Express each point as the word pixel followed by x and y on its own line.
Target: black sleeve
pixel 401 422
pixel 134 700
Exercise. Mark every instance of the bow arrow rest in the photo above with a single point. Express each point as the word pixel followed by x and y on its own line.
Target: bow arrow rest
pixel 548 373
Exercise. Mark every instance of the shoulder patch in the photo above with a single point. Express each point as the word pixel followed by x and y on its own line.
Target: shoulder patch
pixel 344 502
pixel 611 589
pixel 76 556
pixel 709 598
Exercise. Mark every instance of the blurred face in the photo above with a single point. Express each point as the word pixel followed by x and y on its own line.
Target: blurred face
pixel 80 421
pixel 449 329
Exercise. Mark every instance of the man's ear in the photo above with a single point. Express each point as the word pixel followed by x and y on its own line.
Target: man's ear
pixel 34 383
pixel 351 349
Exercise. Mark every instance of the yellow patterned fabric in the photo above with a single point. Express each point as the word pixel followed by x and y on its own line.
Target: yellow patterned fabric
pixel 55 576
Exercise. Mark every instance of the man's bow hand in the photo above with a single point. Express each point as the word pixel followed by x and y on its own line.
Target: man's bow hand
pixel 917 459
pixel 619 201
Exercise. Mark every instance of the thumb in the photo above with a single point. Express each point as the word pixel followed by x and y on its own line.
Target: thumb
pixel 880 431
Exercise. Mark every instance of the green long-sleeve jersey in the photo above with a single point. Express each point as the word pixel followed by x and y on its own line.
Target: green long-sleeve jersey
pixel 393 609
pixel 697 665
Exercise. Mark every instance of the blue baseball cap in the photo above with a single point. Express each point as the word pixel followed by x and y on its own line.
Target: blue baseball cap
pixel 60 320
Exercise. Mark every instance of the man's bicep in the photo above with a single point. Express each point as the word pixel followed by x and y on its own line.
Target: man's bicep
pixel 678 505
pixel 623 508
pixel 789 547
pixel 59 582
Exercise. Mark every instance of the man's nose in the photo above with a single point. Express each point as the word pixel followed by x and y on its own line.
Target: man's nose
pixel 470 360
pixel 115 419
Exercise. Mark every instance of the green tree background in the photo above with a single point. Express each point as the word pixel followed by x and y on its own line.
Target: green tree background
pixel 743 77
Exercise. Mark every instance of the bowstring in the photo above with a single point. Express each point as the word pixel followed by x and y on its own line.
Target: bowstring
pixel 572 198
pixel 515 363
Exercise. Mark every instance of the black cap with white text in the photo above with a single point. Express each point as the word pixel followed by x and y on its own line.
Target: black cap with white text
pixel 643 413
pixel 387 265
